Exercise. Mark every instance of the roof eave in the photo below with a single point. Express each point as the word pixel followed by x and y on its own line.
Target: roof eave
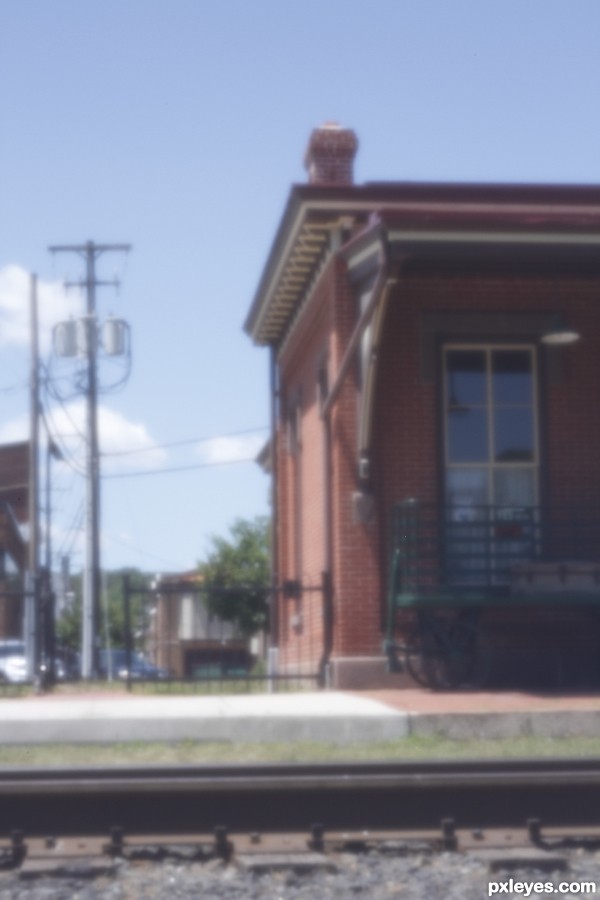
pixel 426 206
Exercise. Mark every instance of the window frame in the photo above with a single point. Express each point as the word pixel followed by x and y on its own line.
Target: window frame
pixel 491 465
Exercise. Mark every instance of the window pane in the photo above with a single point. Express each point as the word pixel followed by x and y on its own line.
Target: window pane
pixel 465 377
pixel 467 435
pixel 512 377
pixel 514 487
pixel 467 488
pixel 513 435
pixel 466 526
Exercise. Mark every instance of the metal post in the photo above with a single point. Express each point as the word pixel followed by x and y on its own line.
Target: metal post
pixel 32 596
pixel 327 625
pixel 50 634
pixel 91 578
pixel 48 597
pixel 127 627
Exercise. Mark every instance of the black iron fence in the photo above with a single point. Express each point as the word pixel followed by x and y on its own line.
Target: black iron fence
pixel 489 546
pixel 182 636
pixel 23 657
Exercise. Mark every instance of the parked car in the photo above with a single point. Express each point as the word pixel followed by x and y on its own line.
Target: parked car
pixel 144 670
pixel 113 664
pixel 13 661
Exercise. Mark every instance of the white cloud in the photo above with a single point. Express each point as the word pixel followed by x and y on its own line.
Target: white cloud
pixel 55 304
pixel 231 448
pixel 116 434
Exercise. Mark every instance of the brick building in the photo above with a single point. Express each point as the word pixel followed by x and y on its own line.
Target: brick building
pixel 436 445
pixel 185 639
pixel 14 512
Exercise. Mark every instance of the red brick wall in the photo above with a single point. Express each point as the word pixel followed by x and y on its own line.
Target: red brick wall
pixel 14 478
pixel 329 157
pixel 406 440
pixel 356 572
pixel 302 556
pixel 573 421
pixel 405 435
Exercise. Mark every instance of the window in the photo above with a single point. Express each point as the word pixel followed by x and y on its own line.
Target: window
pixel 491 455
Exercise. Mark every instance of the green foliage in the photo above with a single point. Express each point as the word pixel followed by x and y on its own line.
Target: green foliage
pixel 114 618
pixel 68 626
pixel 240 564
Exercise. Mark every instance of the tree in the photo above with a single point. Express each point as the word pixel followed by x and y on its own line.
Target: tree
pixel 68 626
pixel 240 565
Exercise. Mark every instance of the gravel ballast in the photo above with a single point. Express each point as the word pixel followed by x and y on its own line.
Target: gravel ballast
pixel 376 875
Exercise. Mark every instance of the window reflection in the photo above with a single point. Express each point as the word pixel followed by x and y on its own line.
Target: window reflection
pixel 466 377
pixel 513 435
pixel 467 435
pixel 512 378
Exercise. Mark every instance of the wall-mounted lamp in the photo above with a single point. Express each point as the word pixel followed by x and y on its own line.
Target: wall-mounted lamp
pixel 559 334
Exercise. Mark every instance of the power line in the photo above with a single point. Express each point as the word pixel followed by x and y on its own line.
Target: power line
pixel 205 440
pixel 141 552
pixel 14 387
pixel 141 472
pixel 68 457
pixel 69 501
pixel 73 531
pixel 62 401
pixel 51 381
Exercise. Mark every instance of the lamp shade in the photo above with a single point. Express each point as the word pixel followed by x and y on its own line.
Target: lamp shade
pixel 559 334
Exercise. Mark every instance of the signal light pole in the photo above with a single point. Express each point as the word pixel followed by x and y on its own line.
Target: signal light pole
pixel 91 581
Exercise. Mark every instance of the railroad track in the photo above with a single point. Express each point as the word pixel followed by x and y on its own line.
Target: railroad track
pixel 453 805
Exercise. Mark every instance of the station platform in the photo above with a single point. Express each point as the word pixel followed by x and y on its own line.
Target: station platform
pixel 326 716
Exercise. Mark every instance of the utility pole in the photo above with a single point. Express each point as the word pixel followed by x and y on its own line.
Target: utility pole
pixel 32 594
pixel 91 581
pixel 48 604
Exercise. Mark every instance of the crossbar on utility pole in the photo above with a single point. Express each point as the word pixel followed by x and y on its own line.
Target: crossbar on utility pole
pixel 91 582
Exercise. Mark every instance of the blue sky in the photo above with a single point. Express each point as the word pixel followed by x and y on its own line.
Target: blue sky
pixel 178 126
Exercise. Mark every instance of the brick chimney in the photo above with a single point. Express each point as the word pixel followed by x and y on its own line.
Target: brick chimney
pixel 330 155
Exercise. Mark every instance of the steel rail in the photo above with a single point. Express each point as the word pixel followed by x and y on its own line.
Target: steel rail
pixel 410 796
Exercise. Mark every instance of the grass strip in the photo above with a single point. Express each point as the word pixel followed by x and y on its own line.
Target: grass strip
pixel 199 752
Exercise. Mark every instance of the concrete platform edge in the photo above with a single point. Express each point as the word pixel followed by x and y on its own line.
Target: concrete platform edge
pixel 506 725
pixel 339 730
pixel 363 724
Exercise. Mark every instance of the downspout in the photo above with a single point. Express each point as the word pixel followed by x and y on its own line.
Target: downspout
pixel 369 383
pixel 326 575
pixel 362 324
pixel 275 594
pixel 378 292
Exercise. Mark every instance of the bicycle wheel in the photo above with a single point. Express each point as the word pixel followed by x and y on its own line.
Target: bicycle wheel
pixel 449 655
pixel 413 657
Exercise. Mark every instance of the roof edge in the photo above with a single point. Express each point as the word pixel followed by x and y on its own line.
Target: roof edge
pixel 542 198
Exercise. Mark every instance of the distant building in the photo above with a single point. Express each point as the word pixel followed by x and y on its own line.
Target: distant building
pixel 13 552
pixel 184 638
pixel 14 511
pixel 436 451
